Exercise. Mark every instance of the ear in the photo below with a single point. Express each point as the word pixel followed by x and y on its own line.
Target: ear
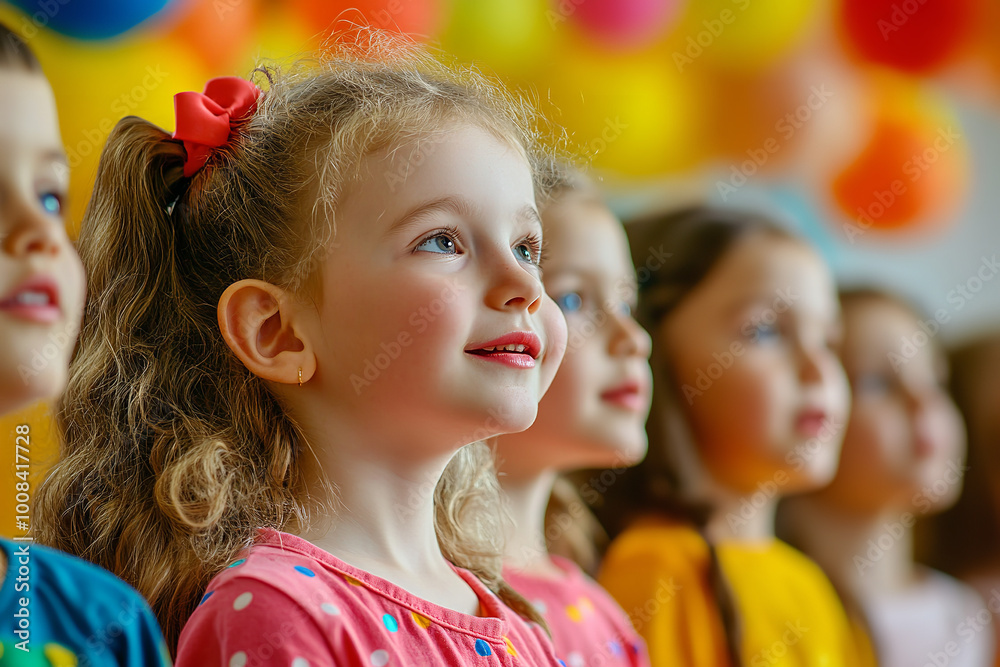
pixel 263 325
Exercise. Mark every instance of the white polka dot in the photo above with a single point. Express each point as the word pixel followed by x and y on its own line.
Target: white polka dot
pixel 300 662
pixel 380 658
pixel 242 600
pixel 539 606
pixel 331 609
pixel 574 659
pixel 239 659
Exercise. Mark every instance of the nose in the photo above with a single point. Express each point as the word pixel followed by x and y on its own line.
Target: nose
pixel 513 286
pixel 810 366
pixel 936 425
pixel 628 338
pixel 30 230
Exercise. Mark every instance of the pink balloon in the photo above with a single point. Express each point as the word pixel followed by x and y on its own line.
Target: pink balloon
pixel 619 23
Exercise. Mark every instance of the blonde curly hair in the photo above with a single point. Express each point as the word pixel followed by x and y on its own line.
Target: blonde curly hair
pixel 174 453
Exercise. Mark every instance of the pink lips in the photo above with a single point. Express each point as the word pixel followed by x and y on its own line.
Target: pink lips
pixel 628 395
pixel 523 353
pixel 810 421
pixel 34 300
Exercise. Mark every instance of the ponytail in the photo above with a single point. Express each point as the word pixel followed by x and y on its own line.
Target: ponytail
pixel 150 484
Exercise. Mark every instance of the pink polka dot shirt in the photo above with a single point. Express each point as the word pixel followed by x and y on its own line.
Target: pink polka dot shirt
pixel 288 603
pixel 588 627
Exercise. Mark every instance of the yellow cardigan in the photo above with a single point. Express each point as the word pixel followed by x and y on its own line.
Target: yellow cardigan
pixel 658 571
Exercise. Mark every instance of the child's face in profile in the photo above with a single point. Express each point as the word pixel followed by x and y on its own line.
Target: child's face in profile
pixel 753 349
pixel 905 444
pixel 594 414
pixel 41 278
pixel 433 274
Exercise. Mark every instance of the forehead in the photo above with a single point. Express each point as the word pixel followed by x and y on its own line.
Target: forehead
pixel 876 327
pixel 582 235
pixel 443 158
pixel 761 265
pixel 27 113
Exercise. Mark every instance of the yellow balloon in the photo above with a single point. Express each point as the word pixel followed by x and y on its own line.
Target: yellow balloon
pixel 632 115
pixel 281 37
pixel 507 36
pixel 738 34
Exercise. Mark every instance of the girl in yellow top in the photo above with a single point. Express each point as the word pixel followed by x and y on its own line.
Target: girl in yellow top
pixel 749 405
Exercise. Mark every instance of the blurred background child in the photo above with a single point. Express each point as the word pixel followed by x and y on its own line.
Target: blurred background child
pixel 593 416
pixel 964 540
pixel 749 404
pixel 903 458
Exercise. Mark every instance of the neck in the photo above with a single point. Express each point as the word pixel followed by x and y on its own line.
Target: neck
pixel 741 518
pixel 528 497
pixel 383 515
pixel 866 554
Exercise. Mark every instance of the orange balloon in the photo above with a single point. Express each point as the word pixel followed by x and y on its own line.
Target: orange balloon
pixel 414 17
pixel 218 32
pixel 912 172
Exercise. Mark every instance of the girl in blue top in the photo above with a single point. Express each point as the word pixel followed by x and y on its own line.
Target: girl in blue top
pixel 55 609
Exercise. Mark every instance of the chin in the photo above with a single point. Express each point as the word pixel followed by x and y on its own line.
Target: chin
pixel 507 418
pixel 27 386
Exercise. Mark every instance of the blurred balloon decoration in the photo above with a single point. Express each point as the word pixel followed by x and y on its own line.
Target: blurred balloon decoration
pixel 218 31
pixel 916 36
pixel 90 19
pixel 415 17
pixel 618 24
pixel 738 34
pixel 914 169
pixel 511 37
pixel 631 115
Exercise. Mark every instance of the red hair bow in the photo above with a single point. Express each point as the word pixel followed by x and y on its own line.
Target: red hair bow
pixel 204 120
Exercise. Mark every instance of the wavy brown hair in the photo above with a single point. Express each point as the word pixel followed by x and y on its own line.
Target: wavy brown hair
pixel 174 453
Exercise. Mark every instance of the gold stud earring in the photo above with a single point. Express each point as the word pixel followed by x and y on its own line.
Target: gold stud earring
pixel 300 376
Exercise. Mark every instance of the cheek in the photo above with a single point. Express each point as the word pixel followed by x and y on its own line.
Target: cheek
pixel 875 443
pixel 948 432
pixel 755 400
pixel 393 328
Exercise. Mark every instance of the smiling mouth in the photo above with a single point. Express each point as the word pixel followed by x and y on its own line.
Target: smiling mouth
pixel 35 301
pixel 517 350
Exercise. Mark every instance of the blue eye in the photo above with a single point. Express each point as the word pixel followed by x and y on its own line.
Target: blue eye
pixel 441 244
pixel 765 332
pixel 872 383
pixel 524 252
pixel 626 309
pixel 570 302
pixel 51 203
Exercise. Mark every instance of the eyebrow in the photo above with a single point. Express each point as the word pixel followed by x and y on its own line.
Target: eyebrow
pixel 55 155
pixel 451 204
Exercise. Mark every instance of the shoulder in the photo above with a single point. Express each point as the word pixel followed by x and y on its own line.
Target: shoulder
pixel 58 578
pixel 277 580
pixel 657 545
pixel 72 599
pixel 60 574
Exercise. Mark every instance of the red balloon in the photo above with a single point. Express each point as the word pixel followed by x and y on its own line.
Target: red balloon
pixel 414 17
pixel 911 35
